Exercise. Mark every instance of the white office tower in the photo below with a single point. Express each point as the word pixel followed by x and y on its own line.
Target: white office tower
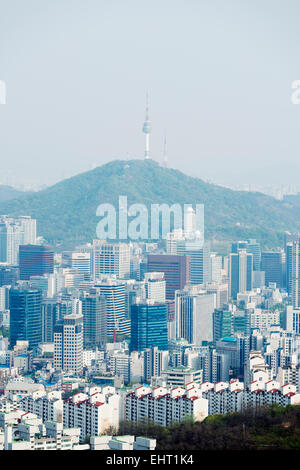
pixel 10 240
pixel 28 226
pixel 292 319
pixel 136 366
pixel 81 262
pixel 4 294
pixel 119 365
pixel 117 320
pixel 221 292
pixel 111 258
pixel 175 242
pixel 189 222
pixel 155 361
pixel 68 344
pixel 155 286
pixel 68 278
pixel 13 233
pixel 215 268
pixel 194 315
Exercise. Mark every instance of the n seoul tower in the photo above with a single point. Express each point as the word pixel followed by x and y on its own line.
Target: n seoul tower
pixel 147 131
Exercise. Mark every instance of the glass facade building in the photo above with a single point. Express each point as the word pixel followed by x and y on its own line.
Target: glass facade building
pixel 25 316
pixel 149 326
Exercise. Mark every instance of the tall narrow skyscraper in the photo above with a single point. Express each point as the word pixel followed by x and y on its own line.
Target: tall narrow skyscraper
pixel 240 272
pixel 25 315
pixel 68 344
pixel 149 326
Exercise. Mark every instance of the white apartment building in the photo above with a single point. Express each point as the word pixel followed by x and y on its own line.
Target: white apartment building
pixel 29 433
pixel 94 412
pixel 47 406
pixel 224 397
pixel 165 406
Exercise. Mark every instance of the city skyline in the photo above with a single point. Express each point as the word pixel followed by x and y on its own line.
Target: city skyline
pixel 149 284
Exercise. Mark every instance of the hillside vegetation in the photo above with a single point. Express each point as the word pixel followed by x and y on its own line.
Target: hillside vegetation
pixel 270 428
pixel 7 193
pixel 66 212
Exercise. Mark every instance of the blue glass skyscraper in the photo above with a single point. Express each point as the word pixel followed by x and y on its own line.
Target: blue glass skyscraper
pixel 25 316
pixel 149 326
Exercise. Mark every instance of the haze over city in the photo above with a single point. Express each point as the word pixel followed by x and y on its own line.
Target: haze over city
pixel 218 74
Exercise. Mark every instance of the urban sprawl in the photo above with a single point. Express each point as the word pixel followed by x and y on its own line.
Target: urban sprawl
pixel 113 333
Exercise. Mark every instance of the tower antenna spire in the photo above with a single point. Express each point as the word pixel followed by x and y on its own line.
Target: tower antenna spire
pixel 147 129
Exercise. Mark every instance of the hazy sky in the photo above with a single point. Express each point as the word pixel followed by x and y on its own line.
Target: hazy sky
pixel 218 72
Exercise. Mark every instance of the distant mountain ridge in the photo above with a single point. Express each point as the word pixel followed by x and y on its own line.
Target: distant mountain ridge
pixel 7 193
pixel 66 211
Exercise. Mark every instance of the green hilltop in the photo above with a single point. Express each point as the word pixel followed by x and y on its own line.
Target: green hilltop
pixel 66 211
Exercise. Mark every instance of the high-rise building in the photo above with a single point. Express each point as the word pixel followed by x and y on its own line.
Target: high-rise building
pixel 289 239
pixel 222 324
pixel 294 272
pixel 149 326
pixel 79 261
pixel 117 320
pixel 288 267
pixel 220 291
pixel 194 316
pixel 273 263
pixel 111 258
pixel 50 316
pixel 94 318
pixel 8 275
pixel 28 226
pixel 155 286
pixel 175 268
pixel 68 344
pixel 13 233
pixel 46 283
pixel 199 264
pixel 215 268
pixel 10 240
pixel 155 361
pixel 25 315
pixel 251 246
pixel 240 272
pixel 35 260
